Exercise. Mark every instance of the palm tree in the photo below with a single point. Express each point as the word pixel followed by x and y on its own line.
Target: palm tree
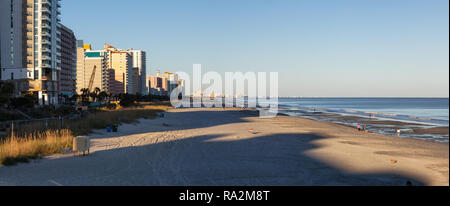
pixel 74 97
pixel 85 93
pixel 102 96
pixel 97 90
pixel 95 94
pixel 109 96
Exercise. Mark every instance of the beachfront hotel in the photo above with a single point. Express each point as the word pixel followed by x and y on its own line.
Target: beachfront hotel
pixel 129 70
pixel 67 78
pixel 163 84
pixel 91 64
pixel 117 71
pixel 30 46
pixel 139 62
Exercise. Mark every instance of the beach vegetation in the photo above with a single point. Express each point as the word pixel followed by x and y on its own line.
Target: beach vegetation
pixel 42 138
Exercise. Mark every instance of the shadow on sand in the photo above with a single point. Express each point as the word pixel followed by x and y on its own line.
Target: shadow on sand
pixel 271 160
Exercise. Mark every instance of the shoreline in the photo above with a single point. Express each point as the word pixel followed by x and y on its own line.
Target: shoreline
pixel 384 126
pixel 217 149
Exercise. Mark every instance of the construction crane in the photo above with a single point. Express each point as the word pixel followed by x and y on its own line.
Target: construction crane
pixel 91 81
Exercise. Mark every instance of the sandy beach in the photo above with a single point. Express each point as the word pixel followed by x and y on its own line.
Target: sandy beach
pixel 214 147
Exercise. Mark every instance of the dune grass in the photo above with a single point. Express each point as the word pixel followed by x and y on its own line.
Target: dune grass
pixel 38 139
pixel 34 145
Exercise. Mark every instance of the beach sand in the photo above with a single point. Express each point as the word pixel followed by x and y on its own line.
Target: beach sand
pixel 214 147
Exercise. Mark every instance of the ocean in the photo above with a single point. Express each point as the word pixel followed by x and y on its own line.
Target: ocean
pixel 430 111
pixel 427 110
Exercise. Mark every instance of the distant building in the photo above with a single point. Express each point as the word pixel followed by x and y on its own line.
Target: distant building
pixel 133 81
pixel 163 84
pixel 125 64
pixel 67 78
pixel 172 79
pixel 156 84
pixel 86 61
pixel 122 71
pixel 139 61
pixel 115 87
pixel 121 62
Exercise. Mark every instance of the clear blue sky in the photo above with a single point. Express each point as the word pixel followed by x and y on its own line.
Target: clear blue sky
pixel 358 48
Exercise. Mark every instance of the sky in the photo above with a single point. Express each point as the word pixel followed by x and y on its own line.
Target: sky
pixel 320 48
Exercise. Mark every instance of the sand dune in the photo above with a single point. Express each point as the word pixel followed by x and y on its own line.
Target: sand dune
pixel 215 147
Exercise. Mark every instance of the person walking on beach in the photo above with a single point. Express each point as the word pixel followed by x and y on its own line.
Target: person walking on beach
pixel 359 127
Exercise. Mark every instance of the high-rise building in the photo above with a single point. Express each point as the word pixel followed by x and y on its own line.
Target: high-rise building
pixel 125 63
pixel 133 81
pixel 67 80
pixel 91 65
pixel 163 84
pixel 29 45
pixel 172 79
pixel 155 85
pixel 121 63
pixel 139 62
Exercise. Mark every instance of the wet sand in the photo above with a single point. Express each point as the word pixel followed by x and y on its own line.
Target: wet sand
pixel 216 147
pixel 434 130
pixel 387 126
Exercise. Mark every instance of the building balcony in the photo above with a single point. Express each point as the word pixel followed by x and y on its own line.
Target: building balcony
pixel 45 25
pixel 46 65
pixel 45 18
pixel 44 49
pixel 46 57
pixel 45 41
pixel 46 14
pixel 45 33
pixel 45 10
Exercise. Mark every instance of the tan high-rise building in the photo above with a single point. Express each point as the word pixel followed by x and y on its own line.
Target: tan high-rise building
pixel 158 85
pixel 87 60
pixel 133 81
pixel 125 64
pixel 120 61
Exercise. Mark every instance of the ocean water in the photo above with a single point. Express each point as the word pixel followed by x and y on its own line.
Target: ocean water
pixel 433 111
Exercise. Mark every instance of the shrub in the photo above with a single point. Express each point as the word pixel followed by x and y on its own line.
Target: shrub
pixel 127 100
pixel 27 101
pixel 64 110
pixel 41 138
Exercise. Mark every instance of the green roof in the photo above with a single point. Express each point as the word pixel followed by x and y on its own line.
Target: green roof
pixel 93 54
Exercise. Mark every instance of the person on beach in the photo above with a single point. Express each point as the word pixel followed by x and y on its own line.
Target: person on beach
pixel 359 127
pixel 365 128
